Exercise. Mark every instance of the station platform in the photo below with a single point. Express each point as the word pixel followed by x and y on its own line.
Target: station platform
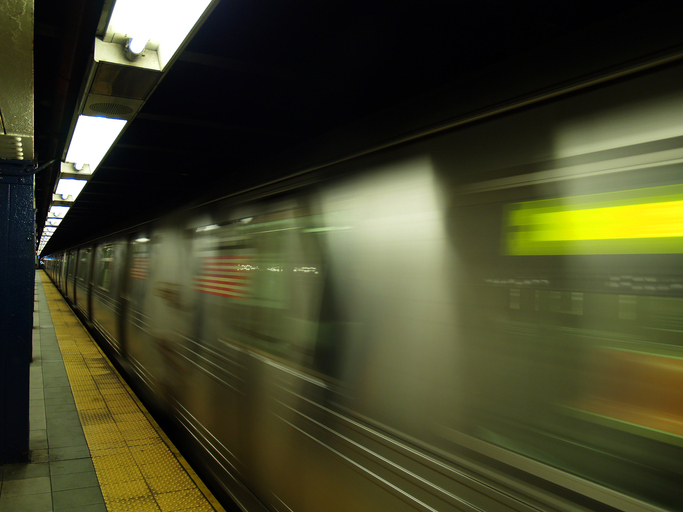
pixel 94 447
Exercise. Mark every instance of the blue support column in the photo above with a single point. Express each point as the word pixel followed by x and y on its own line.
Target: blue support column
pixel 17 274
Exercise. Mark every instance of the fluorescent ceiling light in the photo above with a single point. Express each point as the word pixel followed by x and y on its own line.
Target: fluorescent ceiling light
pixel 49 229
pixel 164 23
pixel 69 187
pixel 92 139
pixel 58 212
pixel 53 222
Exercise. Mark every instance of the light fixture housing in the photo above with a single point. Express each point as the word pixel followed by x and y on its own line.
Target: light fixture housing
pixel 69 188
pixel 58 212
pixel 164 24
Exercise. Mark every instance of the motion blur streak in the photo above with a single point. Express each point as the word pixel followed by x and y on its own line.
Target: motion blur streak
pixel 485 319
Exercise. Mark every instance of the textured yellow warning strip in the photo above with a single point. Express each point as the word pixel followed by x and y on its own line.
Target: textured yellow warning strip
pixel 137 466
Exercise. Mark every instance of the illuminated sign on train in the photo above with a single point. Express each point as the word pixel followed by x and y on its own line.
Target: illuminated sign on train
pixel 641 221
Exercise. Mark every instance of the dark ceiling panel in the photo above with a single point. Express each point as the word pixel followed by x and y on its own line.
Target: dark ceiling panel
pixel 269 88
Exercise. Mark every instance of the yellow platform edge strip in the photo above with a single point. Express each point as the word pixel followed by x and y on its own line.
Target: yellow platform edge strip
pixel 133 470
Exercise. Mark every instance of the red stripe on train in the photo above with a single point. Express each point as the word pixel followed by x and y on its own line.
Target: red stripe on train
pixel 225 288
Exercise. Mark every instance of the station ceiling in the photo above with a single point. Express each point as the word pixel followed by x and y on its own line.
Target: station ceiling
pixel 269 88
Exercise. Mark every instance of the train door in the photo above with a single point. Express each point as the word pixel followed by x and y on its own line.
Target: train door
pixel 83 279
pixel 65 273
pixel 171 307
pixel 89 283
pixel 136 322
pixel 70 285
pixel 74 290
pixel 61 281
pixel 126 273
pixel 59 267
pixel 260 282
pixel 106 290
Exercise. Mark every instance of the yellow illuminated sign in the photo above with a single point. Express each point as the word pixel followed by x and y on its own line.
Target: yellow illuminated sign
pixel 642 221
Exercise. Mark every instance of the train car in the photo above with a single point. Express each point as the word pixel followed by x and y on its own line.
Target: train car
pixel 485 318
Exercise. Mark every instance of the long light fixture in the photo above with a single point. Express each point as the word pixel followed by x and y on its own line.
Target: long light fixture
pixel 54 219
pixel 69 188
pixel 162 24
pixel 92 138
pixel 57 212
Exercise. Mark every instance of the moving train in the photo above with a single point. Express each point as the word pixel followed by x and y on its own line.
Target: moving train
pixel 487 317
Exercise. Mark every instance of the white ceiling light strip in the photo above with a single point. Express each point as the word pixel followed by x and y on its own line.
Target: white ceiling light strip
pixel 162 24
pixel 92 138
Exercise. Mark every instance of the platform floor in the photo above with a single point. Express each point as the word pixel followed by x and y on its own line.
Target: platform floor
pixel 94 447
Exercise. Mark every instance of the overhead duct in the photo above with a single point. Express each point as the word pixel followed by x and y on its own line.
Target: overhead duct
pixel 115 86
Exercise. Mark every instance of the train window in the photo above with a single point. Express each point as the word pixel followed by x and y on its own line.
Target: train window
pixel 72 263
pixel 83 265
pixel 105 267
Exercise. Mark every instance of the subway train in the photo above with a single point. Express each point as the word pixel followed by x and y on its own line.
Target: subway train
pixel 485 317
